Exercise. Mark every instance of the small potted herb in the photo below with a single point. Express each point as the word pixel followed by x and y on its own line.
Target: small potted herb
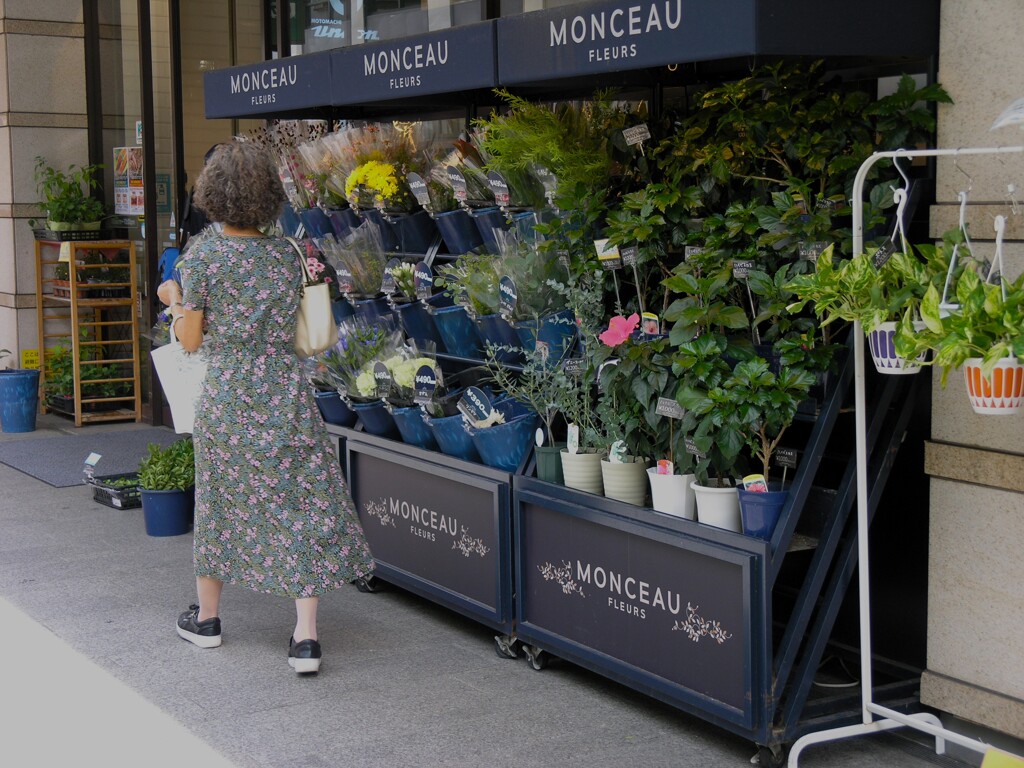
pixel 167 479
pixel 67 196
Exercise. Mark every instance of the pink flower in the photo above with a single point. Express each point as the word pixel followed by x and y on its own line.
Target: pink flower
pixel 619 329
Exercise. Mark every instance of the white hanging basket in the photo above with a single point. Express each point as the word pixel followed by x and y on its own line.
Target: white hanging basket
pixel 999 394
pixel 883 350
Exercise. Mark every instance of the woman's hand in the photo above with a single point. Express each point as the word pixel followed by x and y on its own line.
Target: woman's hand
pixel 169 292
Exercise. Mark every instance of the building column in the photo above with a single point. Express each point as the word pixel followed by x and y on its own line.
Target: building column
pixel 42 112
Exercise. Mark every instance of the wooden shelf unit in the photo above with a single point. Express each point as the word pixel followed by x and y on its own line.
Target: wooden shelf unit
pixel 98 318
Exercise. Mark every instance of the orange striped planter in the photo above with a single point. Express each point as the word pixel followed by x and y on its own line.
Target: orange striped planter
pixel 1000 393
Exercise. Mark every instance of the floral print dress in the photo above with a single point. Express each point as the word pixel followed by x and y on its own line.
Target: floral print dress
pixel 273 512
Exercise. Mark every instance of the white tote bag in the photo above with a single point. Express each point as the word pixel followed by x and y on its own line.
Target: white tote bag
pixel 181 376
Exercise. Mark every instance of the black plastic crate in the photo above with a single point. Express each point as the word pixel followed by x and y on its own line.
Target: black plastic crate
pixel 123 497
pixel 68 235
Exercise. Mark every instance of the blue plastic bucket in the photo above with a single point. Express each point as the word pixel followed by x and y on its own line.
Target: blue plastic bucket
pixel 19 400
pixel 457 331
pixel 487 220
pixel 290 220
pixel 375 419
pixel 496 330
pixel 557 330
pixel 334 410
pixel 459 232
pixel 419 324
pixel 504 446
pixel 371 309
pixel 388 240
pixel 343 221
pixel 412 425
pixel 316 222
pixel 168 513
pixel 452 437
pixel 341 309
pixel 416 232
pixel 760 511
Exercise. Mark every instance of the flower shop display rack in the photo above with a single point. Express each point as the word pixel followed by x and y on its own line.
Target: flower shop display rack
pixel 725 626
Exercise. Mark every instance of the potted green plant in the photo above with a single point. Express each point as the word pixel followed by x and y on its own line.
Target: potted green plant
pixel 984 335
pixel 67 196
pixel 875 294
pixel 19 397
pixel 167 478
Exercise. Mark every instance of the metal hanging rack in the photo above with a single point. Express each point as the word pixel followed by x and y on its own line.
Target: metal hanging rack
pixel 890 719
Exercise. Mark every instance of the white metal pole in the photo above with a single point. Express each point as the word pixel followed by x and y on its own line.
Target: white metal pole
pixel 868 707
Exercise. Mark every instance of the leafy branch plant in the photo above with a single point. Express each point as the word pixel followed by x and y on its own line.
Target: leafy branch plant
pixel 168 469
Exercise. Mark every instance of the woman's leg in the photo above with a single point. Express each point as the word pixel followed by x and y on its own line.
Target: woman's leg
pixel 209 589
pixel 305 621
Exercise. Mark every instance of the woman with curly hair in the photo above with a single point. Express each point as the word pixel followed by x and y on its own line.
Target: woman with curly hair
pixel 273 512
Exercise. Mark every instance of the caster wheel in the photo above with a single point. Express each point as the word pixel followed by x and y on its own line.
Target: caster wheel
pixel 771 757
pixel 538 659
pixel 505 647
pixel 368 585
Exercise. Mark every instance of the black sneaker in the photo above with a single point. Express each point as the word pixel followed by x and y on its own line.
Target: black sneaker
pixel 205 634
pixel 304 656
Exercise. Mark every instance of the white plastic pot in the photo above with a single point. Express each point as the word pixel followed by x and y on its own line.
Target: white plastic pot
pixel 672 494
pixel 582 471
pixel 881 342
pixel 999 394
pixel 625 481
pixel 719 507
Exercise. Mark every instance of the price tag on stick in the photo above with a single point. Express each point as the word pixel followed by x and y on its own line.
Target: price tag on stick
pixel 458 182
pixel 418 187
pixel 500 188
pixel 382 377
pixel 692 449
pixel 388 284
pixel 475 405
pixel 507 296
pixel 425 383
pixel 669 408
pixel 884 253
pixel 423 278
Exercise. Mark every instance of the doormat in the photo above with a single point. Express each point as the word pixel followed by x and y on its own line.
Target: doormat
pixel 58 461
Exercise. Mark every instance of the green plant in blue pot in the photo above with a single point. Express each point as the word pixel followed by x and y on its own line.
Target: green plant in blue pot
pixel 167 479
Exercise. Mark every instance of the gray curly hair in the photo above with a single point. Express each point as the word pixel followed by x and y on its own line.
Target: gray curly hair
pixel 239 186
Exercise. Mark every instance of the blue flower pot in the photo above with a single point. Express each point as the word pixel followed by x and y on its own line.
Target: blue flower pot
pixel 419 324
pixel 168 513
pixel 334 410
pixel 290 220
pixel 375 419
pixel 19 400
pixel 441 300
pixel 459 231
pixel 414 232
pixel 458 332
pixel 524 224
pixel 388 239
pixel 487 220
pixel 452 437
pixel 370 309
pixel 496 330
pixel 341 309
pixel 316 222
pixel 343 221
pixel 557 330
pixel 412 425
pixel 760 511
pixel 504 446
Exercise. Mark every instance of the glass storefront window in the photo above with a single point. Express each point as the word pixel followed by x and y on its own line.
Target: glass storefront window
pixel 327 24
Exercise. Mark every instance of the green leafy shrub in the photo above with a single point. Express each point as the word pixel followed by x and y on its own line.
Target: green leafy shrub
pixel 168 469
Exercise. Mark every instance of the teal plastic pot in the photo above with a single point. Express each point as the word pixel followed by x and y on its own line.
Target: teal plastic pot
pixel 760 512
pixel 168 513
pixel 459 232
pixel 549 463
pixel 413 427
pixel 457 331
pixel 19 400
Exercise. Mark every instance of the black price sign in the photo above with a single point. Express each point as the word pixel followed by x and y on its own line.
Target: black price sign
pixel 884 253
pixel 637 134
pixel 692 251
pixel 458 182
pixel 507 295
pixel 388 284
pixel 418 187
pixel 741 268
pixel 629 254
pixel 574 366
pixel 608 255
pixel 344 280
pixel 500 188
pixel 691 447
pixel 670 408
pixel 786 457
pixel 423 278
pixel 810 251
pixel 382 376
pixel 475 405
pixel 425 383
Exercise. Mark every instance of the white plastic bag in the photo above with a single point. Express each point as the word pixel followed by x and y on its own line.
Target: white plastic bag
pixel 181 376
